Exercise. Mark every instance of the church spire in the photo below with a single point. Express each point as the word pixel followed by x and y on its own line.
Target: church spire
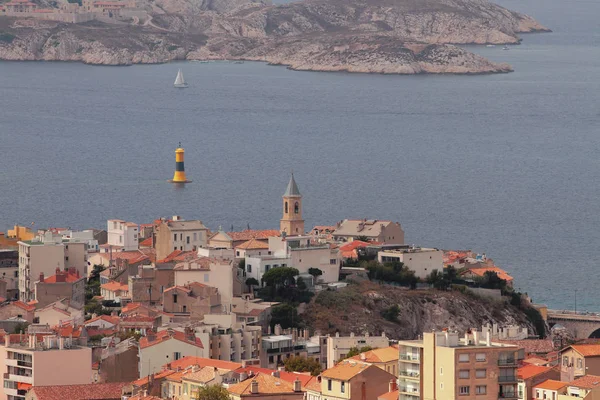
pixel 292 188
pixel 291 222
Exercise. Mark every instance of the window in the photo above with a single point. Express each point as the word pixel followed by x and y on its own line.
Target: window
pixel 442 386
pixel 66 258
pixel 120 239
pixel 286 207
pixel 481 389
pixel 296 208
pixel 187 239
pixel 537 393
pixel 185 388
pixel 181 236
pixel 579 363
pixel 565 361
pixel 248 268
pixel 328 384
pixel 174 248
pixel 463 390
pixel 206 277
pixel 237 253
pixel 480 373
pixel 463 358
pixel 267 268
pixel 195 236
pixel 480 357
pixel 343 387
pixel 174 237
pixel 270 359
pixel 463 374
pixel 177 355
pixel 174 298
pixel 441 371
pixel 184 308
pixel 333 261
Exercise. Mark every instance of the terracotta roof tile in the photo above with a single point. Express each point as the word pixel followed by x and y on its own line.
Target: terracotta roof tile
pixel 253 244
pixel 24 306
pixel 189 361
pixel 163 336
pixel 383 355
pixel 587 350
pixel 537 346
pixel 314 384
pixel 345 370
pixel 529 371
pixel 389 396
pixel 586 382
pixel 500 272
pixel 157 376
pixel 146 242
pixel 248 234
pixel 94 391
pixel 267 384
pixel 114 286
pixel 550 384
pixel 108 318
pixel 69 277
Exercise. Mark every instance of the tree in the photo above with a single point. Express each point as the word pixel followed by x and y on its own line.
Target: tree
pixel 280 276
pixel 212 392
pixel 302 364
pixel 391 313
pixel 491 280
pixel 251 282
pixel 242 264
pixel 435 278
pixel 450 273
pixel 285 315
pixel 300 284
pixel 315 272
pixel 354 351
pixel 21 327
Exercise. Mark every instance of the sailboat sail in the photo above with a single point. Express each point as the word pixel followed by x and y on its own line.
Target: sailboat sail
pixel 179 81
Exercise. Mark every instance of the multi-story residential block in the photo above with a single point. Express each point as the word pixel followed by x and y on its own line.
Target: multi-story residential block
pixel 275 349
pixel 21 233
pixel 351 380
pixel 194 300
pixel 578 360
pixel 178 234
pixel 87 236
pixel 157 349
pixel 299 252
pixel 122 236
pixel 227 339
pixel 530 375
pixel 37 257
pixel 385 358
pixel 26 362
pixel 548 390
pixel 264 386
pixel 420 260
pixel 338 346
pixel 150 282
pixel 587 387
pixel 9 271
pixel 220 273
pixel 380 231
pixel 443 366
pixel 69 284
pixel 291 223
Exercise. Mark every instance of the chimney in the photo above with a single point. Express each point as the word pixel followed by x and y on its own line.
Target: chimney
pixel 392 386
pixel 254 387
pixel 57 270
pixel 7 340
pixel 297 385
pixel 488 341
pixel 275 374
pixel 277 329
pixel 42 277
pixel 476 337
pixel 363 356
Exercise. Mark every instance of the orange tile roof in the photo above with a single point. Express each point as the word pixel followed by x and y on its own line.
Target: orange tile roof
pixel 143 398
pixel 500 272
pixel 94 391
pixel 107 318
pixel 163 336
pixel 586 382
pixel 132 257
pixel 178 255
pixel 383 355
pixel 146 242
pixel 253 244
pixel 314 384
pixel 345 370
pixel 189 361
pixel 248 234
pixel 587 350
pixel 267 384
pixel 204 375
pixel 114 286
pixel 69 277
pixel 389 396
pixel 550 384
pixel 158 375
pixel 529 371
pixel 532 345
pixel 24 306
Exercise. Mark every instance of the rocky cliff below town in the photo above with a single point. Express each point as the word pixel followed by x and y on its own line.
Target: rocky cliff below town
pixel 368 307
pixel 377 36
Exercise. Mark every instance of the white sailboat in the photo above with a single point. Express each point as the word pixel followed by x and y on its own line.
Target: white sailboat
pixel 179 81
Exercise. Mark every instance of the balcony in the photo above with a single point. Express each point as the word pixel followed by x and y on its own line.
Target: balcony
pixel 414 391
pixel 507 379
pixel 508 396
pixel 18 363
pixel 21 378
pixel 409 357
pixel 510 362
pixel 409 374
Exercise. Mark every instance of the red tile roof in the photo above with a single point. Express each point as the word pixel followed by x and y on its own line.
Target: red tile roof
pixel 537 346
pixel 146 242
pixel 586 382
pixel 201 362
pixel 163 336
pixel 94 391
pixel 529 371
pixel 481 272
pixel 550 384
pixel 108 318
pixel 114 286
pixel 253 244
pixel 349 250
pixel 24 306
pixel 248 234
pixel 178 255
pixel 69 277
pixel 587 350
pixel 389 396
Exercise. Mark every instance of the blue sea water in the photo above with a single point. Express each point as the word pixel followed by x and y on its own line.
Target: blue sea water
pixel 504 164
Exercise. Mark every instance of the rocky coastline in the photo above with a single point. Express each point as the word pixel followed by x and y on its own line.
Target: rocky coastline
pixel 373 36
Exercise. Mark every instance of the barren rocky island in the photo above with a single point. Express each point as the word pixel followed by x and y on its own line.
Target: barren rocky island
pixel 372 36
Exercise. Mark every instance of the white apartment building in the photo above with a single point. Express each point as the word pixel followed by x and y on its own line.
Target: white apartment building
pixel 299 252
pixel 420 260
pixel 122 235
pixel 44 255
pixel 338 346
pixel 178 234
pixel 86 236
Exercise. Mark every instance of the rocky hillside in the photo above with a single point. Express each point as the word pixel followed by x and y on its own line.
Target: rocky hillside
pixel 359 308
pixel 379 36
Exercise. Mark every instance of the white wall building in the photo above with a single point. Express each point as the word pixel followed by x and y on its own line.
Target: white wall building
pixel 38 256
pixel 420 260
pixel 122 235
pixel 338 346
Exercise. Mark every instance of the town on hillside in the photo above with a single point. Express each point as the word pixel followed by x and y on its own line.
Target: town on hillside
pixel 170 309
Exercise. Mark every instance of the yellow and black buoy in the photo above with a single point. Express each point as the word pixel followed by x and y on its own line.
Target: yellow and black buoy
pixel 179 175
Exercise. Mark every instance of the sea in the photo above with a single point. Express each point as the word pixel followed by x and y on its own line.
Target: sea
pixel 506 165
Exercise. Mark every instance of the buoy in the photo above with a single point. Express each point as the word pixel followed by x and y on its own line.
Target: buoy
pixel 179 175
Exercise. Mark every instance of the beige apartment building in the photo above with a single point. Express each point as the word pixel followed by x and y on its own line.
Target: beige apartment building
pixel 178 234
pixel 420 260
pixel 338 346
pixel 578 360
pixel 443 366
pixel 380 231
pixel 194 300
pixel 25 362
pixel 68 284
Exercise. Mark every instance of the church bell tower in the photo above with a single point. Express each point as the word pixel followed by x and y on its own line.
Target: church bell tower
pixel 292 223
